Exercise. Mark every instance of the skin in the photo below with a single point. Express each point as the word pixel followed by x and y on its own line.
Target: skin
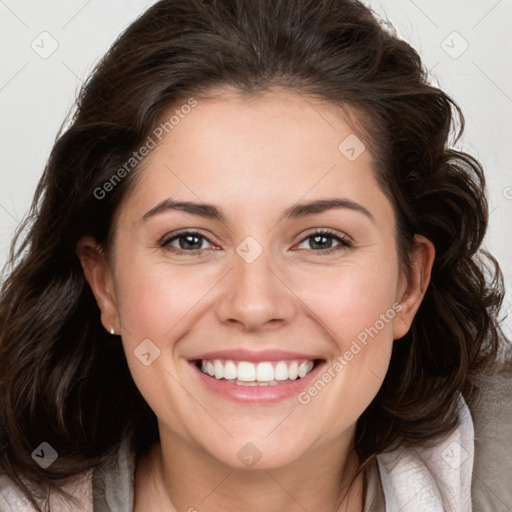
pixel 253 158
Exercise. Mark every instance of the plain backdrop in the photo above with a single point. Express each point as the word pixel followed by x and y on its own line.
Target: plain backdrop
pixel 49 47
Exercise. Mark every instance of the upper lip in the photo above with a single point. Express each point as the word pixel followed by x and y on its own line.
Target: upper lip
pixel 253 355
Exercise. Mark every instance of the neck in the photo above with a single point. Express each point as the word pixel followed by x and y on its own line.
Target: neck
pixel 175 475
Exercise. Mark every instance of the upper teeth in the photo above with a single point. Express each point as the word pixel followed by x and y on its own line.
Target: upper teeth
pixel 261 372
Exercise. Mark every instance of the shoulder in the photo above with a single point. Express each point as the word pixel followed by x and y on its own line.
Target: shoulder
pixel 480 479
pixel 107 488
pixel 113 481
pixel 492 420
pixel 12 498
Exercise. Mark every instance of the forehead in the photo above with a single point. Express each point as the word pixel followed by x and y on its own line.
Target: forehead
pixel 257 153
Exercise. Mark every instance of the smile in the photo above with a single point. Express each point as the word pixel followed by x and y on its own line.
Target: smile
pixel 265 373
pixel 255 378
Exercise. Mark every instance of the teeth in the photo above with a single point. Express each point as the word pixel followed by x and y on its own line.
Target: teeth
pixel 302 371
pixel 281 371
pixel 264 372
pixel 246 371
pixel 249 374
pixel 218 368
pixel 230 370
pixel 259 384
pixel 292 370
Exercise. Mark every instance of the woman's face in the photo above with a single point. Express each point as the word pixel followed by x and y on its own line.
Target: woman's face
pixel 254 295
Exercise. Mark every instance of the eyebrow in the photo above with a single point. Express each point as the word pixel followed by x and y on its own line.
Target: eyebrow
pixel 297 211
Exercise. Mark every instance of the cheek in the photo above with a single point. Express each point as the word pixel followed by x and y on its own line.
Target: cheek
pixel 154 299
pixel 351 299
pixel 347 384
pixel 356 305
pixel 161 303
pixel 157 303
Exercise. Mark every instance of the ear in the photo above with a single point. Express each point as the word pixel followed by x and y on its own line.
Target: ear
pixel 412 291
pixel 99 276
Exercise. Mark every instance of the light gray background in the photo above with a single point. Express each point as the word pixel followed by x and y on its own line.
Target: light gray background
pixel 37 90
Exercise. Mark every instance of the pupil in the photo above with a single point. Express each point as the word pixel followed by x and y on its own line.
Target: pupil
pixel 187 244
pixel 316 238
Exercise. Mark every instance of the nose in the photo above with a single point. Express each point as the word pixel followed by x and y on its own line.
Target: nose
pixel 255 296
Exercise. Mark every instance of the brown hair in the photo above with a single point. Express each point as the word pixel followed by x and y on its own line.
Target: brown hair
pixel 64 380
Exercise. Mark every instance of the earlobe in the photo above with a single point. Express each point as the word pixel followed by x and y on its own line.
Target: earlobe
pixel 99 276
pixel 412 292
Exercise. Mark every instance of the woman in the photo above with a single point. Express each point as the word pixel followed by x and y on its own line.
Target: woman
pixel 252 278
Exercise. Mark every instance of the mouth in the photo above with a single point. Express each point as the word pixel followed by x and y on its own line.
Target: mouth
pixel 263 373
pixel 255 378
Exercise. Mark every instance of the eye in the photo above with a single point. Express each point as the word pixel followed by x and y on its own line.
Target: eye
pixel 191 242
pixel 322 242
pixel 188 242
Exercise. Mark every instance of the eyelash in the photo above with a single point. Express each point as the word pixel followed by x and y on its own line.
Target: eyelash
pixel 344 243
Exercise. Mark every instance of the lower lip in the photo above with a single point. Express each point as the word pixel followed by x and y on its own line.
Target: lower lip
pixel 257 394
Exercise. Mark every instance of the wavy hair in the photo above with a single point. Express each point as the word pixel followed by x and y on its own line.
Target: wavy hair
pixel 64 380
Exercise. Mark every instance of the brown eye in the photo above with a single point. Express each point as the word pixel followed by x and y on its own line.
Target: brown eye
pixel 321 242
pixel 188 242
